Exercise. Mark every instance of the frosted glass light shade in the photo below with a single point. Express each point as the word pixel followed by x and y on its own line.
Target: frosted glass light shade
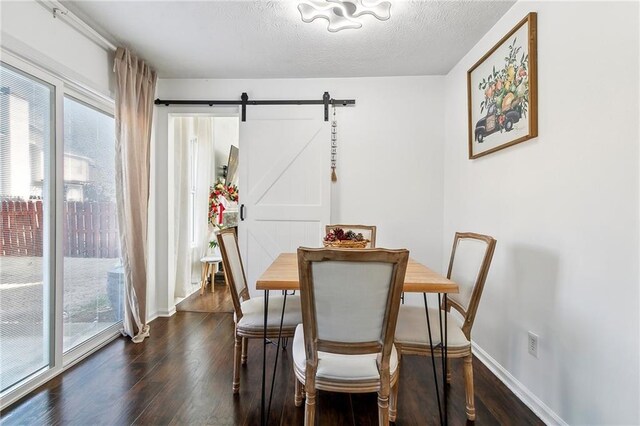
pixel 343 14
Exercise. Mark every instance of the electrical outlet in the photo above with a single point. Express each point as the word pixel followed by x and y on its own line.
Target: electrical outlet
pixel 533 344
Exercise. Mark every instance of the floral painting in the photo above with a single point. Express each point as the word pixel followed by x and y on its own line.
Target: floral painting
pixel 502 92
pixel 219 195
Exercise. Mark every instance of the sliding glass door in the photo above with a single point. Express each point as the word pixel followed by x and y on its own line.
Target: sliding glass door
pixel 93 283
pixel 27 139
pixel 61 281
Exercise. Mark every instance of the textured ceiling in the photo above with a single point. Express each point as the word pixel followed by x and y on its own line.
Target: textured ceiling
pixel 241 39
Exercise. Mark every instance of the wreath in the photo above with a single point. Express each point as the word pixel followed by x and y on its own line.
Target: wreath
pixel 216 208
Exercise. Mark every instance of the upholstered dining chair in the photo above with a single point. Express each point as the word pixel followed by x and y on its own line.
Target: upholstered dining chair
pixel 350 300
pixel 249 312
pixel 368 231
pixel 468 267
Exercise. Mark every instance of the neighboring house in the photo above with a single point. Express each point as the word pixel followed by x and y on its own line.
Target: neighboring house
pixel 77 173
pixel 23 168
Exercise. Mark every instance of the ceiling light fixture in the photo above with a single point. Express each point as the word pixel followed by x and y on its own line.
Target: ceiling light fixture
pixel 343 14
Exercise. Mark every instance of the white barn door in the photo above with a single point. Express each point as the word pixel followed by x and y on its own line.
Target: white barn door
pixel 284 183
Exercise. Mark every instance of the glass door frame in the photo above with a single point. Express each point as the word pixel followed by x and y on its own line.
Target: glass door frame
pixel 81 351
pixel 53 247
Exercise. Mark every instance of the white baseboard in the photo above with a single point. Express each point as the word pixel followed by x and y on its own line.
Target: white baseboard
pixel 166 313
pixel 539 408
pixel 152 316
pixel 170 312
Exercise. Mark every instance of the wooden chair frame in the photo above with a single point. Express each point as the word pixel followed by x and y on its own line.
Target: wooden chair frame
pixel 242 335
pixel 370 228
pixel 468 314
pixel 313 344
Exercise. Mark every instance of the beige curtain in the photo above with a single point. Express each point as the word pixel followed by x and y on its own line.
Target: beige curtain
pixel 135 89
pixel 183 133
pixel 204 179
pixel 188 253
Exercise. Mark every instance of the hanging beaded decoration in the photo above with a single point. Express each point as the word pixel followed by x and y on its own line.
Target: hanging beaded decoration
pixel 334 146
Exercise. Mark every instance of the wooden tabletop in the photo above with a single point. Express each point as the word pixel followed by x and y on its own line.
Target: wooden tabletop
pixel 283 275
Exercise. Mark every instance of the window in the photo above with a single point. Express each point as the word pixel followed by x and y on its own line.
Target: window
pixel 193 180
pixel 60 277
pixel 26 123
pixel 93 281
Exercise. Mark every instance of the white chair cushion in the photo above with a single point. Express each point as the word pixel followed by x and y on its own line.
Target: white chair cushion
pixel 336 285
pixel 340 367
pixel 253 313
pixel 412 328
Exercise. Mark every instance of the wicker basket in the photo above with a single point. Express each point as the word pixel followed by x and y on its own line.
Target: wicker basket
pixel 346 244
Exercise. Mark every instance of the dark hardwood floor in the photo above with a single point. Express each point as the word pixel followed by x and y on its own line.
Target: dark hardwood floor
pixel 217 301
pixel 182 375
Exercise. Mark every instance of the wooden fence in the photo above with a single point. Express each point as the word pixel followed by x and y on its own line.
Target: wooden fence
pixel 90 229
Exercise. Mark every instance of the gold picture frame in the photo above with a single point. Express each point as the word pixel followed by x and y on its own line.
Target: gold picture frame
pixel 502 92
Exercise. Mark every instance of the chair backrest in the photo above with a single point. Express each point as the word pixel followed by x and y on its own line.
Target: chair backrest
pixel 469 265
pixel 368 231
pixel 233 269
pixel 350 300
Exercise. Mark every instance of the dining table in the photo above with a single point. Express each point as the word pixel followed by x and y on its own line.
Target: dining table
pixel 282 275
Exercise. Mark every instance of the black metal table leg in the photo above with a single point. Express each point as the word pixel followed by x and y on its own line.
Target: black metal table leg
pixel 443 361
pixel 446 354
pixel 275 365
pixel 264 358
pixel 443 353
pixel 433 359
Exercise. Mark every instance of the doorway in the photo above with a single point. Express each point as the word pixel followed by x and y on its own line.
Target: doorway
pixel 201 151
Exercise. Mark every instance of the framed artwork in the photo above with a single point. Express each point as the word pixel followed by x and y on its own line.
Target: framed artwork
pixel 502 89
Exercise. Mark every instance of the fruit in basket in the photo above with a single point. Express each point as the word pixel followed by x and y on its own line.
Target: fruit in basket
pixel 338 237
pixel 349 235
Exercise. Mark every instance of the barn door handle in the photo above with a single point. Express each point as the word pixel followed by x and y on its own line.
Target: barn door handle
pixel 242 212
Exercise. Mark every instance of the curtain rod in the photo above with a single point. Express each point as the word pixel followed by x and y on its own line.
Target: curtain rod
pixel 244 101
pixel 61 11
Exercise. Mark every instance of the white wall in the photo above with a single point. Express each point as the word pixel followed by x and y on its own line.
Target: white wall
pixel 564 209
pixel 389 154
pixel 30 30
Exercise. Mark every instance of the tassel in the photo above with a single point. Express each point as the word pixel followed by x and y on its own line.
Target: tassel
pixel 334 177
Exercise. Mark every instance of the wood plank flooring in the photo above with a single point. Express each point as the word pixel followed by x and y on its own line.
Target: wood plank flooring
pixel 217 301
pixel 182 375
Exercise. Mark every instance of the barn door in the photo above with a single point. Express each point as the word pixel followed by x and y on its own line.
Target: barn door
pixel 284 183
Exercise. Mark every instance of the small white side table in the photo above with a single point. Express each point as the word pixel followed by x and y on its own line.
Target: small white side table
pixel 209 268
